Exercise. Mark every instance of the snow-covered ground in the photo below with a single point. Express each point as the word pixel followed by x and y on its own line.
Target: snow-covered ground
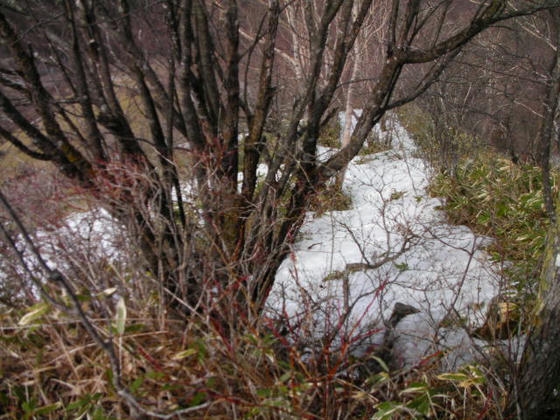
pixel 422 261
pixel 393 225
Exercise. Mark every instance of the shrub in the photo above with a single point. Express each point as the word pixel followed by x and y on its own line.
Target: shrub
pixel 498 198
pixel 440 144
pixel 330 198
pixel 330 134
pixel 52 370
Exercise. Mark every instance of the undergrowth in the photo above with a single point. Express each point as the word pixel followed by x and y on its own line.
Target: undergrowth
pixel 439 143
pixel 330 198
pixel 490 194
pixel 503 200
pixel 51 370
pixel 330 134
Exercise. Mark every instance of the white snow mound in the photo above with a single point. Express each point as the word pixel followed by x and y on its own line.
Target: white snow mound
pixel 440 269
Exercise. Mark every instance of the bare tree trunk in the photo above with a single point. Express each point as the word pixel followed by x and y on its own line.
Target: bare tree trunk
pixel 349 110
pixel 547 127
pixel 534 394
pixel 535 390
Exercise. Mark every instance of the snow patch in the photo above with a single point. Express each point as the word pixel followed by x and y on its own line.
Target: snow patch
pixel 395 226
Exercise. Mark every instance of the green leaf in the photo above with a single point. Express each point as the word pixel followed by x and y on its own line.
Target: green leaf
pixel 264 393
pixel 198 398
pixel 184 354
pixel 202 352
pixel 453 377
pixel 421 405
pixel 155 375
pixel 47 409
pixel 386 410
pixel 34 313
pixel 381 363
pixel 211 382
pixel 79 404
pixel 120 320
pixel 98 414
pixel 133 328
pixel 378 378
pixel 285 377
pixel 83 297
pixel 483 218
pixel 29 406
pixel 136 384
pixel 415 387
pixel 402 266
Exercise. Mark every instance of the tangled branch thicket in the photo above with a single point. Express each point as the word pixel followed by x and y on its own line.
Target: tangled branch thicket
pixel 161 117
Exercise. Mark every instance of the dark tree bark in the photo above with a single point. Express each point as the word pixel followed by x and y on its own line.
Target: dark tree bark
pixel 535 390
pixel 549 115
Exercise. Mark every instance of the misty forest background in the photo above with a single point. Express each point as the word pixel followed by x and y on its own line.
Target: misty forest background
pixel 193 131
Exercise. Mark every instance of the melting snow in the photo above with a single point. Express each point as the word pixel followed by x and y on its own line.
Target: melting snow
pixel 442 270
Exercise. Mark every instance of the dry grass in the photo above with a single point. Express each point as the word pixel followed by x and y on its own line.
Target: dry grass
pixel 52 369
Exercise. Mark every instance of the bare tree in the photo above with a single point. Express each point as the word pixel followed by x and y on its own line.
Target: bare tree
pixel 549 113
pixel 534 392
